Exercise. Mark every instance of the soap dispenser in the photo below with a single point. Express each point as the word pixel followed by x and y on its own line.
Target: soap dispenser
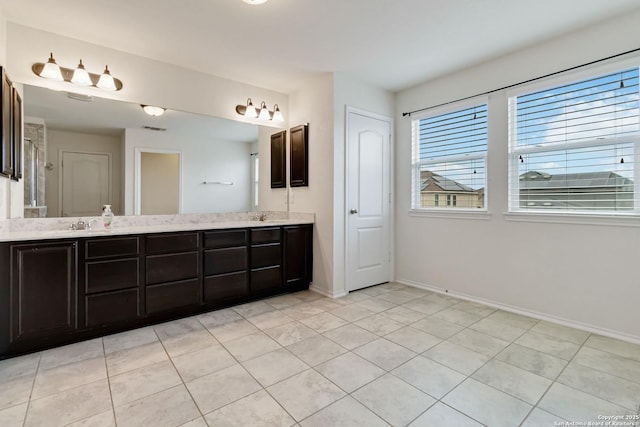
pixel 107 216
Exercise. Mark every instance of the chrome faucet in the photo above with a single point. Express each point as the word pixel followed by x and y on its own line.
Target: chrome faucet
pixel 82 225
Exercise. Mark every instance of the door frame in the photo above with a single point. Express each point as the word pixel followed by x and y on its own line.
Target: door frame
pixel 349 110
pixel 61 152
pixel 137 171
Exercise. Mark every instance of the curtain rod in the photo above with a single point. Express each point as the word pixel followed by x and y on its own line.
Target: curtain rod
pixel 523 82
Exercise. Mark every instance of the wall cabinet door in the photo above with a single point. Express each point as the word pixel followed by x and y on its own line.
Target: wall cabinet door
pixel 44 290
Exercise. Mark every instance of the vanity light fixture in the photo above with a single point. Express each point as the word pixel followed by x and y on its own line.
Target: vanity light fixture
pixel 262 113
pixel 255 2
pixel 78 76
pixel 153 111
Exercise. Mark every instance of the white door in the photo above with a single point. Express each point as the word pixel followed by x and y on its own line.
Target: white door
pixel 85 183
pixel 368 200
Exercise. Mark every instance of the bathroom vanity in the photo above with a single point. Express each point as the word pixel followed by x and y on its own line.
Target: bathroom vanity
pixel 66 286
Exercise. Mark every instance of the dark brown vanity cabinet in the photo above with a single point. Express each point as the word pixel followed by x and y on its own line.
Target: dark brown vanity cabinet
pixel 298 255
pixel 172 271
pixel 225 263
pixel 43 283
pixel 55 292
pixel 266 259
pixel 110 284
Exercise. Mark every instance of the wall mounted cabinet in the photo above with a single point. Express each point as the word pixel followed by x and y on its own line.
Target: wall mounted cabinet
pixel 279 160
pixel 54 292
pixel 10 129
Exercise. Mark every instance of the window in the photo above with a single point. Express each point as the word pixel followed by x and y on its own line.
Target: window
pixel 449 158
pixel 572 147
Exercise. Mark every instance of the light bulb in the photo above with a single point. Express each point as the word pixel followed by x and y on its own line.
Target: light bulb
pixel 264 112
pixel 106 80
pixel 81 76
pixel 250 110
pixel 277 115
pixel 51 70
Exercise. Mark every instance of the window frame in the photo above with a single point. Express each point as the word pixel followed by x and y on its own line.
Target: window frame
pixel 446 209
pixel 514 152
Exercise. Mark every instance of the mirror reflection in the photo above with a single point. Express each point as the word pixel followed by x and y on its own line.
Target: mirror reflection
pixel 85 152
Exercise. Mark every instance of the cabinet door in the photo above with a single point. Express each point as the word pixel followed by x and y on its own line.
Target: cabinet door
pixel 44 290
pixel 298 257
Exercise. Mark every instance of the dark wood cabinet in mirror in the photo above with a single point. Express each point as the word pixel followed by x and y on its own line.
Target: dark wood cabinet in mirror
pixel 279 160
pixel 6 168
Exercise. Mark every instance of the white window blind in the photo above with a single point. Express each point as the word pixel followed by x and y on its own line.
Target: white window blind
pixel 573 147
pixel 449 159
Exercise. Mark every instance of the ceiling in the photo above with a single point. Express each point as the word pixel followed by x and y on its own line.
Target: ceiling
pixel 393 44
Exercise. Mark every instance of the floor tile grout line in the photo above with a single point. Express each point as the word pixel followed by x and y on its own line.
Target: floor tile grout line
pixel 184 384
pixel 554 382
pixel 247 372
pixel 106 369
pixel 33 384
pixel 469 376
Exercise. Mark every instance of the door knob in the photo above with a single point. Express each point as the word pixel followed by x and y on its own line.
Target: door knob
pixel 353 211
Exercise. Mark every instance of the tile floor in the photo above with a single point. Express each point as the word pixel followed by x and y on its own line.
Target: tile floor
pixel 387 355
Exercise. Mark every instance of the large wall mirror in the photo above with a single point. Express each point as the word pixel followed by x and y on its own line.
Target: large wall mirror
pixel 84 152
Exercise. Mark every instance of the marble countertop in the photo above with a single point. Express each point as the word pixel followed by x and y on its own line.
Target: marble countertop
pixel 98 230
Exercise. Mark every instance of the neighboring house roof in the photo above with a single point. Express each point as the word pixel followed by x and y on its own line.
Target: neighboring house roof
pixel 535 180
pixel 430 181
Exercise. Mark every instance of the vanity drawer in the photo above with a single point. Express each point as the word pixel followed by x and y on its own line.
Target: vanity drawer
pixel 225 239
pixel 102 276
pixel 266 278
pixel 112 308
pixel 265 235
pixel 163 243
pixel 266 255
pixel 172 267
pixel 220 261
pixel 226 287
pixel 112 247
pixel 169 296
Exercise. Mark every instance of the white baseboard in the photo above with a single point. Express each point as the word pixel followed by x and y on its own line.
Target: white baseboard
pixel 327 293
pixel 535 314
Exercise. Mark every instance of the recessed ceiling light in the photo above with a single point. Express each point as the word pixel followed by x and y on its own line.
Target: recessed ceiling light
pixel 255 2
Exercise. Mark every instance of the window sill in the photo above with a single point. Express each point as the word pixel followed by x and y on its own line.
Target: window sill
pixel 480 214
pixel 574 218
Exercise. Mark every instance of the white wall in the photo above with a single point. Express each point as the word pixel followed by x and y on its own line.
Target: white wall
pixel 313 104
pixel 85 142
pixel 145 81
pixel 207 160
pixel 585 274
